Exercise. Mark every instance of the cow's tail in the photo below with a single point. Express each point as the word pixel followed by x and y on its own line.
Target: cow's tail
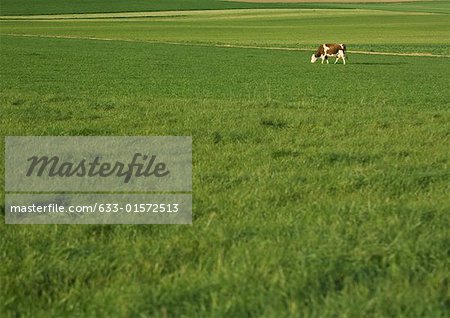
pixel 345 51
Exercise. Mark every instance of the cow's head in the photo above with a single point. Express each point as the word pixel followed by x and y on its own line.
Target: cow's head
pixel 313 58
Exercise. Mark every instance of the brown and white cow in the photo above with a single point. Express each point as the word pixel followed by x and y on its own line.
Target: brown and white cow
pixel 326 50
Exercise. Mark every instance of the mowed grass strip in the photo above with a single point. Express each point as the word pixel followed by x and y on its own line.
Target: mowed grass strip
pixel 317 189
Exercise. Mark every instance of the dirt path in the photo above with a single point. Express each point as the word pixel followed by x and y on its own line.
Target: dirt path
pixel 220 45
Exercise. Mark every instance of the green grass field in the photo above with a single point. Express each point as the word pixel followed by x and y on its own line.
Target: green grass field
pixel 20 7
pixel 364 30
pixel 318 190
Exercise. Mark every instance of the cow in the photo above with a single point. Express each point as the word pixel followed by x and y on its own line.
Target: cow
pixel 326 50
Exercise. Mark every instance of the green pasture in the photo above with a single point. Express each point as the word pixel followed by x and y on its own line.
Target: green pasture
pixel 360 30
pixel 25 7
pixel 318 190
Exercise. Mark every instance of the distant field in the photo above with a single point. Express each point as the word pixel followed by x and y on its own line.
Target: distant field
pixel 325 1
pixel 361 30
pixel 25 7
pixel 318 190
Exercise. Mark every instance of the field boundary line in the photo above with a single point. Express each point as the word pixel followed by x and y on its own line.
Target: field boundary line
pixel 237 46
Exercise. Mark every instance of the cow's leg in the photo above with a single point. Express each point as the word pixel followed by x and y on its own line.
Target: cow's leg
pixel 339 55
pixel 342 55
pixel 326 57
pixel 323 58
